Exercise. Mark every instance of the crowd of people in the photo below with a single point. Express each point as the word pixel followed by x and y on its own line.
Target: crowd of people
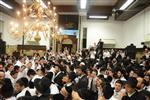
pixel 79 76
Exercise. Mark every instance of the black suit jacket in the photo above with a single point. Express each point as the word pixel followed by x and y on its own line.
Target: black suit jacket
pixel 83 82
pixel 58 80
pixel 135 96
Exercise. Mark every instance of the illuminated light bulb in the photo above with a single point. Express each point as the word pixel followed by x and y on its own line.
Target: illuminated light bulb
pixel 53 35
pixel 55 14
pixel 30 10
pixel 54 8
pixel 41 8
pixel 18 13
pixel 50 11
pixel 16 32
pixel 54 20
pixel 24 9
pixel 49 3
pixel 24 18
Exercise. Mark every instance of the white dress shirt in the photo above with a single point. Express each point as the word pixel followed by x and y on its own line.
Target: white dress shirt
pixel 54 89
pixel 23 92
pixel 18 63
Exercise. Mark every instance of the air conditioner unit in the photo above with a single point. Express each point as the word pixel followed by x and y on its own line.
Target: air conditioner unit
pixel 147 37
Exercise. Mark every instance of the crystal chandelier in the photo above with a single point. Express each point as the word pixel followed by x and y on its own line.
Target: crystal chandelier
pixel 36 19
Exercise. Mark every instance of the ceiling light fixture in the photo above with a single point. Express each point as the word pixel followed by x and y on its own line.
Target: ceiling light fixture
pixel 5 4
pixel 39 13
pixel 98 17
pixel 126 4
pixel 83 4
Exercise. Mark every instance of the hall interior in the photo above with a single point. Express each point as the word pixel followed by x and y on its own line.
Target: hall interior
pixel 40 25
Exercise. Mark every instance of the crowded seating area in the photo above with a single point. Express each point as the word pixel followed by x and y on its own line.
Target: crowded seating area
pixel 74 49
pixel 79 76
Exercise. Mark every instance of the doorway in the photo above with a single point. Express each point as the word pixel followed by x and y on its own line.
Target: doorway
pixel 68 46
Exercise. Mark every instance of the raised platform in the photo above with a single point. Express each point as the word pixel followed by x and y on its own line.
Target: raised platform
pixel 31 47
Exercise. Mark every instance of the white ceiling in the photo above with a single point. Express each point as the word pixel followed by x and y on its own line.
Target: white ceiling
pixel 91 2
pixel 103 2
pixel 74 2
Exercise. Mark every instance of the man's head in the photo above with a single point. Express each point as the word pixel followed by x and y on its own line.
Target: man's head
pixel 141 83
pixel 21 84
pixel 107 91
pixel 100 80
pixel 10 67
pixel 94 73
pixel 6 90
pixel 42 60
pixel 31 73
pixel 147 79
pixel 119 74
pixel 29 65
pixel 130 85
pixel 42 85
pixel 118 85
pixel 2 74
pixel 81 70
pixel 14 74
pixel 21 59
pixel 69 77
pixel 133 73
pixel 58 68
pixel 17 68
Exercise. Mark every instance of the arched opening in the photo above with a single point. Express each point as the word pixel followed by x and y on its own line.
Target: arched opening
pixel 67 44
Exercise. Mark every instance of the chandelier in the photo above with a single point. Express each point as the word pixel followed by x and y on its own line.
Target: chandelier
pixel 36 20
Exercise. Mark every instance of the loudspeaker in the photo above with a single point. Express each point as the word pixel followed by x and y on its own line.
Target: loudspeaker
pixel 84 37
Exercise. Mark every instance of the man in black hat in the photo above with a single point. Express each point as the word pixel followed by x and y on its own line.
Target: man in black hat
pixel 130 88
pixel 43 88
pixel 131 51
pixel 99 49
